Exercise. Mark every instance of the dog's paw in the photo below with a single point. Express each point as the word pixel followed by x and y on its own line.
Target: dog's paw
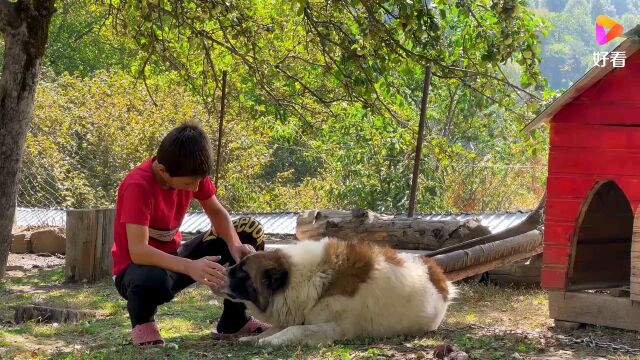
pixel 272 341
pixel 249 339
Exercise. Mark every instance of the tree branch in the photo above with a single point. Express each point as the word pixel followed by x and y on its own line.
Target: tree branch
pixel 92 27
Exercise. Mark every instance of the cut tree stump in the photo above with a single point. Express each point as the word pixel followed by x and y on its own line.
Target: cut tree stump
pixel 398 232
pixel 89 240
pixel 24 313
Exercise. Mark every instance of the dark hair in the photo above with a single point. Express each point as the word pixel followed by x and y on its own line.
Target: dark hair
pixel 185 151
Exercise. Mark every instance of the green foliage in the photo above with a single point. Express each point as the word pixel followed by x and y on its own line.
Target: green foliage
pixel 322 108
pixel 335 89
pixel 79 43
pixel 80 147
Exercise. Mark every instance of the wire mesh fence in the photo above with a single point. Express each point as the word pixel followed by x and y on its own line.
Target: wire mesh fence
pixel 80 147
pixel 69 177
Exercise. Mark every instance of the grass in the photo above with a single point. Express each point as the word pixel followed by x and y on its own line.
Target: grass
pixel 187 320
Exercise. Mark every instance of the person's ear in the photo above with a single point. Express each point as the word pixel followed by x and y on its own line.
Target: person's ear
pixel 163 170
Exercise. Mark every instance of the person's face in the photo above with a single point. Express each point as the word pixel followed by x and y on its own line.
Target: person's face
pixel 180 182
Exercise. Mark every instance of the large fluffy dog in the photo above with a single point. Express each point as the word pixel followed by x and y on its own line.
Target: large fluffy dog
pixel 316 292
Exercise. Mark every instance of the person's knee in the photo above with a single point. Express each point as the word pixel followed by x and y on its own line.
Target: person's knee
pixel 151 282
pixel 250 231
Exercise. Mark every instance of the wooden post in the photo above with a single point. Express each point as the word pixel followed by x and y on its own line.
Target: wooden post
pixel 421 125
pixel 89 240
pixel 219 149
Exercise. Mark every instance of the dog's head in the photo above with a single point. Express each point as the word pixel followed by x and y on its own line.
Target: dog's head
pixel 257 277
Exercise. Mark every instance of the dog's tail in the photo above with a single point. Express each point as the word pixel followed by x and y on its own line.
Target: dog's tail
pixel 439 279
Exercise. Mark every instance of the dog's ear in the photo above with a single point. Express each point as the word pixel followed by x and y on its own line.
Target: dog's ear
pixel 276 278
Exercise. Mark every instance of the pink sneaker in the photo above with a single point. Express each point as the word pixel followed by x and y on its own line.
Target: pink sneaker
pixel 252 327
pixel 146 334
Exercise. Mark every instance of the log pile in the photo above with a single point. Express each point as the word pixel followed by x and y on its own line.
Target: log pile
pixel 462 248
pixel 399 232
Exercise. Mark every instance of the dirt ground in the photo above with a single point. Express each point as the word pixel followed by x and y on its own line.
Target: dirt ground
pixel 34 261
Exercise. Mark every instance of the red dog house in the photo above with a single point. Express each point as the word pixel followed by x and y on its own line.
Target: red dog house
pixel 591 258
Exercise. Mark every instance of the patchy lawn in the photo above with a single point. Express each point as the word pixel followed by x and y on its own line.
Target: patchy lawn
pixel 187 320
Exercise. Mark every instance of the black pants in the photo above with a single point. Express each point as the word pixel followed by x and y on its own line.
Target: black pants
pixel 145 287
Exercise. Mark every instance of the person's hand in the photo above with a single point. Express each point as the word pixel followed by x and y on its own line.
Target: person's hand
pixel 240 251
pixel 208 272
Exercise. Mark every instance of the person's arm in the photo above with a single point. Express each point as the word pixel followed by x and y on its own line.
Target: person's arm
pixel 220 218
pixel 205 270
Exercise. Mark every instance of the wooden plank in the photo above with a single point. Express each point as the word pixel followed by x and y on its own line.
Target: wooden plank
pixel 604 163
pixel 594 136
pixel 611 113
pixel 598 285
pixel 553 277
pixel 98 246
pixel 562 210
pixel 106 263
pixel 90 245
pixel 558 233
pixel 80 227
pixel 635 272
pixel 595 309
pixel 104 241
pixel 89 239
pixel 634 289
pixel 565 186
pixel 555 255
pixel 577 186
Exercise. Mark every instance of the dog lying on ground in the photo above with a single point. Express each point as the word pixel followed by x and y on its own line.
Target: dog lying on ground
pixel 316 292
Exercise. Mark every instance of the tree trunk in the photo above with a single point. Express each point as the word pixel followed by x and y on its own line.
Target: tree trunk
pixel 396 231
pixel 25 26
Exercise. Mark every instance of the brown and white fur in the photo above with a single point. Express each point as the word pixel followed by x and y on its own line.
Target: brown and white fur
pixel 315 292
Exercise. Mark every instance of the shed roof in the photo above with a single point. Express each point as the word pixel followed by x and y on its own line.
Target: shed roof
pixel 275 223
pixel 630 45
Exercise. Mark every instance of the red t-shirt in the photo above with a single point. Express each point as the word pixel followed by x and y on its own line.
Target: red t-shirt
pixel 143 201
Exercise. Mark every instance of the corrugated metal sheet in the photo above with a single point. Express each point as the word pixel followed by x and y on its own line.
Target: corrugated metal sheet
pixel 40 217
pixel 276 223
pixel 280 223
pixel 494 221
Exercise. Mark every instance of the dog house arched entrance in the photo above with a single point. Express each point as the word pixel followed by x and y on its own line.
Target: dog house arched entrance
pixel 601 243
